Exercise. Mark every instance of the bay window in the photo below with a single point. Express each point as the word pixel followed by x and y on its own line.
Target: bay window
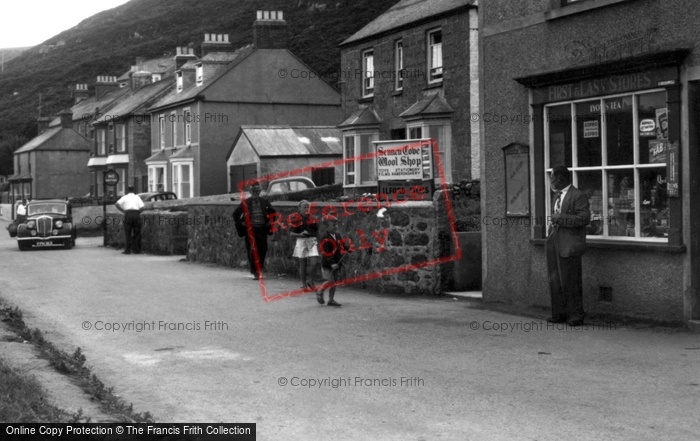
pixel 156 178
pixel 360 171
pixel 182 179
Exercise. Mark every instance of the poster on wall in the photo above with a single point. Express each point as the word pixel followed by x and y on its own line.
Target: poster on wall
pixel 672 170
pixel 517 172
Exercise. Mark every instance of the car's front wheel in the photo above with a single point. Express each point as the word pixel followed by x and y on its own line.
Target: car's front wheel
pixel 68 244
pixel 22 246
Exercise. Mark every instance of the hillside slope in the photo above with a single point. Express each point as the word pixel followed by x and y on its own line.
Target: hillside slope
pixel 40 80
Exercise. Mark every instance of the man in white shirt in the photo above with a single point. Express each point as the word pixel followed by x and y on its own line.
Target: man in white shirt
pixel 131 205
pixel 21 215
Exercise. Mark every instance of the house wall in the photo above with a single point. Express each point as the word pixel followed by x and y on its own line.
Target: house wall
pixel 138 132
pixel 61 174
pixel 518 41
pixel 390 103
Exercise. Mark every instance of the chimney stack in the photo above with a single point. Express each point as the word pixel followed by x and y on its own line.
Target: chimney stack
pixel 140 79
pixel 43 122
pixel 183 55
pixel 81 92
pixel 216 43
pixel 66 119
pixel 104 85
pixel 270 30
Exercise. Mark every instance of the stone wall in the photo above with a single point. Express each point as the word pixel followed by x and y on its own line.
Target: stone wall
pixel 162 232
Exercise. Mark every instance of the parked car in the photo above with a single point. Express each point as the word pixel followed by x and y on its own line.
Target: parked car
pixel 283 185
pixel 157 196
pixel 49 223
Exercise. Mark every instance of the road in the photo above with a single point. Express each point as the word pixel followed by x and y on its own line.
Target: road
pixel 463 377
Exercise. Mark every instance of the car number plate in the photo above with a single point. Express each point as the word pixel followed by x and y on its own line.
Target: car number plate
pixel 44 244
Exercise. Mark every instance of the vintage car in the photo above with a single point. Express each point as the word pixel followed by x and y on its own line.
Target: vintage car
pixel 49 223
pixel 282 185
pixel 158 196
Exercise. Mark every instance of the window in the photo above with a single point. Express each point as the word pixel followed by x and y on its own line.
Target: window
pixel 101 141
pixel 349 165
pixel 100 183
pixel 435 56
pixel 616 148
pixel 121 138
pixel 182 180
pixel 360 172
pixel 441 132
pixel 156 178
pixel 173 122
pixel 398 65
pixel 110 139
pixel 187 121
pixel 161 126
pixel 368 73
pixel 179 81
pixel 199 74
pixel 121 185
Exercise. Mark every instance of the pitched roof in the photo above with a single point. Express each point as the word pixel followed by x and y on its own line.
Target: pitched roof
pixel 85 109
pixel 362 117
pixel 404 13
pixel 429 105
pixel 293 140
pixel 213 70
pixel 137 101
pixel 57 138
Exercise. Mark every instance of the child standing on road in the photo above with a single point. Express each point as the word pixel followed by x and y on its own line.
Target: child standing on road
pixel 306 248
pixel 332 253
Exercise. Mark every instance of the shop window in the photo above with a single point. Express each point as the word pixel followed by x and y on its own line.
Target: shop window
pixel 441 133
pixel 368 73
pixel 616 149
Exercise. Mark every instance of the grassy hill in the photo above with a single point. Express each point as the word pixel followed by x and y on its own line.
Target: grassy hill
pixel 9 53
pixel 41 79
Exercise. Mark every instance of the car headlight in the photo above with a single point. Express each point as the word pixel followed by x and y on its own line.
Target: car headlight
pixel 55 232
pixel 31 224
pixel 33 232
pixel 59 224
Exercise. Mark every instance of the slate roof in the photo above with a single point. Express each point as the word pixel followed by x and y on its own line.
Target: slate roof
pixel 362 117
pixel 429 105
pixel 37 141
pixel 293 140
pixel 56 138
pixel 87 106
pixel 136 101
pixel 213 70
pixel 405 13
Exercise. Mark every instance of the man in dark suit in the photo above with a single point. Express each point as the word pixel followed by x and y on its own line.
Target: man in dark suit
pixel 566 243
pixel 256 210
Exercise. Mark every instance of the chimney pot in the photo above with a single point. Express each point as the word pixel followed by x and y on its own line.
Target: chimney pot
pixel 270 33
pixel 260 15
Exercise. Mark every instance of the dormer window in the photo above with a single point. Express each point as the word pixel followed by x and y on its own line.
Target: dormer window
pixel 155 78
pixel 199 74
pixel 179 81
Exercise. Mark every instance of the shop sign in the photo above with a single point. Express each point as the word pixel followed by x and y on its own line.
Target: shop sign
pixel 590 129
pixel 672 170
pixel 647 127
pixel 657 151
pixel 612 84
pixel 111 178
pixel 404 160
pixel 662 123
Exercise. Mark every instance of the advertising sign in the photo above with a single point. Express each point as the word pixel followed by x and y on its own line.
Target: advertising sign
pixel 672 170
pixel 517 166
pixel 111 178
pixel 404 160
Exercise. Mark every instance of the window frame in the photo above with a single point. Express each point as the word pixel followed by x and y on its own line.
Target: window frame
pixel 120 142
pixel 368 83
pixel 199 74
pixel 398 65
pixel 356 136
pixel 101 142
pixel 179 81
pixel 444 145
pixel 187 123
pixel 178 181
pixel 173 128
pixel 152 175
pixel 430 34
pixel 161 131
pixel 604 168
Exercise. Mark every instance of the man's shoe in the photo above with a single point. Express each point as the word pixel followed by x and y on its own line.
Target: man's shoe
pixel 333 303
pixel 319 298
pixel 559 319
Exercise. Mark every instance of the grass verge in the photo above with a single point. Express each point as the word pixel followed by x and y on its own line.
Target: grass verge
pixel 72 365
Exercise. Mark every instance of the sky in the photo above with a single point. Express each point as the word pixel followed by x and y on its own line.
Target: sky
pixel 31 22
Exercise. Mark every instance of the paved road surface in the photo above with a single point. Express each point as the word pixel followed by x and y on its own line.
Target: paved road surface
pixel 460 383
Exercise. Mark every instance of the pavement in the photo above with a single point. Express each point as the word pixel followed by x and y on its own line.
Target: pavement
pixel 195 343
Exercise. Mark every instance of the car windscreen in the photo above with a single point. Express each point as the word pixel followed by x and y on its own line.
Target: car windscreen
pixel 46 208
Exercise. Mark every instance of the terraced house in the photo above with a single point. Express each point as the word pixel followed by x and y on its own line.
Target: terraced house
pixel 196 124
pixel 412 73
